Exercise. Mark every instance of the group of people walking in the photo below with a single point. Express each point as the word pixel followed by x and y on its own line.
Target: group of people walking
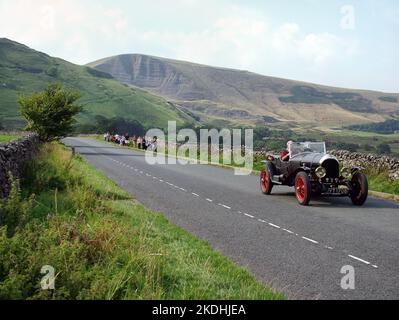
pixel 139 142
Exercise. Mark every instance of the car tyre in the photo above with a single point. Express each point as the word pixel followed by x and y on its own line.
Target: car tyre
pixel 303 188
pixel 360 189
pixel 266 183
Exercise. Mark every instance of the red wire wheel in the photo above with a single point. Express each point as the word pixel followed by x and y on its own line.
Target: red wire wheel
pixel 266 185
pixel 303 188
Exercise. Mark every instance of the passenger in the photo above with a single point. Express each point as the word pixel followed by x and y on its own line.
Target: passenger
pixel 145 146
pixel 155 144
pixel 139 142
pixel 134 141
pixel 285 154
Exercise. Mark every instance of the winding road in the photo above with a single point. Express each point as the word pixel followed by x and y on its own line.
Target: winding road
pixel 299 251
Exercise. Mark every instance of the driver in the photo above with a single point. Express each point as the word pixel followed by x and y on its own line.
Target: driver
pixel 285 154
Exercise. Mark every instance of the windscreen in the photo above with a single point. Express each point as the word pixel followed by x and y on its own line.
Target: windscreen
pixel 301 147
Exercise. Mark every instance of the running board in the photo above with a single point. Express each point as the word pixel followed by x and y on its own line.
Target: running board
pixel 277 179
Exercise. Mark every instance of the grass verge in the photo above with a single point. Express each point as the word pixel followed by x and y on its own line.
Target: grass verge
pixel 5 138
pixel 102 244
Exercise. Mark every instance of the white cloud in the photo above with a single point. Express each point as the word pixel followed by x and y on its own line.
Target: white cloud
pixel 66 25
pixel 313 48
pixel 208 32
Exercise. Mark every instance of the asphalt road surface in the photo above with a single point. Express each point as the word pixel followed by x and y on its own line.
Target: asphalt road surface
pixel 299 251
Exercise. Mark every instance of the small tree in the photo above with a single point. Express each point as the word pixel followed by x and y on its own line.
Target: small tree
pixel 50 113
pixel 384 148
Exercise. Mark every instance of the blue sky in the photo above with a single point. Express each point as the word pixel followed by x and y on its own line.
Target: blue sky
pixel 352 44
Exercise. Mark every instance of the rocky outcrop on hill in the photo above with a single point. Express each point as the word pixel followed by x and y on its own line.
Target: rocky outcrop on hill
pixel 13 157
pixel 210 92
pixel 372 161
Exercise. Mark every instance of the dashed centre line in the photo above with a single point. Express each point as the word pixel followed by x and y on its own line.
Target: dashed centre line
pixel 224 206
pixel 359 259
pixel 249 216
pixel 310 240
pixel 274 226
pixel 246 214
pixel 289 231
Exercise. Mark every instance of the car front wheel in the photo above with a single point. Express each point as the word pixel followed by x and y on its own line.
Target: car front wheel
pixel 303 188
pixel 266 184
pixel 360 189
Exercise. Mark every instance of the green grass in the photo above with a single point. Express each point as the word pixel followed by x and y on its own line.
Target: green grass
pixel 103 244
pixel 24 71
pixel 4 138
pixel 382 183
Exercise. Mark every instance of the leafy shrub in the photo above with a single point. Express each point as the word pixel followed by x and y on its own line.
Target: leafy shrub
pixel 14 210
pixel 383 148
pixel 50 113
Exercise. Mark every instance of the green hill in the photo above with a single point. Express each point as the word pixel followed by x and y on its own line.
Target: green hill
pixel 24 71
pixel 245 97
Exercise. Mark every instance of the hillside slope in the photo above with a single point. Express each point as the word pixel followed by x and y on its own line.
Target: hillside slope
pixel 243 96
pixel 24 71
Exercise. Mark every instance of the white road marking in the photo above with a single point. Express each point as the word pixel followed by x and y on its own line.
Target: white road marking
pixel 224 206
pixel 274 226
pixel 289 231
pixel 311 240
pixel 358 259
pixel 246 214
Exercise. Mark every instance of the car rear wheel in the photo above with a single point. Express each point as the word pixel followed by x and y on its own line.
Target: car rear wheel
pixel 266 184
pixel 360 189
pixel 303 188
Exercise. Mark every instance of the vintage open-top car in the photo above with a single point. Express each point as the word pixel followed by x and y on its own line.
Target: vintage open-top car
pixel 312 171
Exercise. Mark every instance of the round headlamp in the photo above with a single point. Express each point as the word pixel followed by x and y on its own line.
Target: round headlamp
pixel 346 172
pixel 321 172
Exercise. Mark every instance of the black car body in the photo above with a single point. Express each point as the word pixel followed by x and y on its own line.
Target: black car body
pixel 313 172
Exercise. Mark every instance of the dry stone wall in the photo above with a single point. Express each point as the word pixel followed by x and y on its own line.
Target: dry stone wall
pixel 13 157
